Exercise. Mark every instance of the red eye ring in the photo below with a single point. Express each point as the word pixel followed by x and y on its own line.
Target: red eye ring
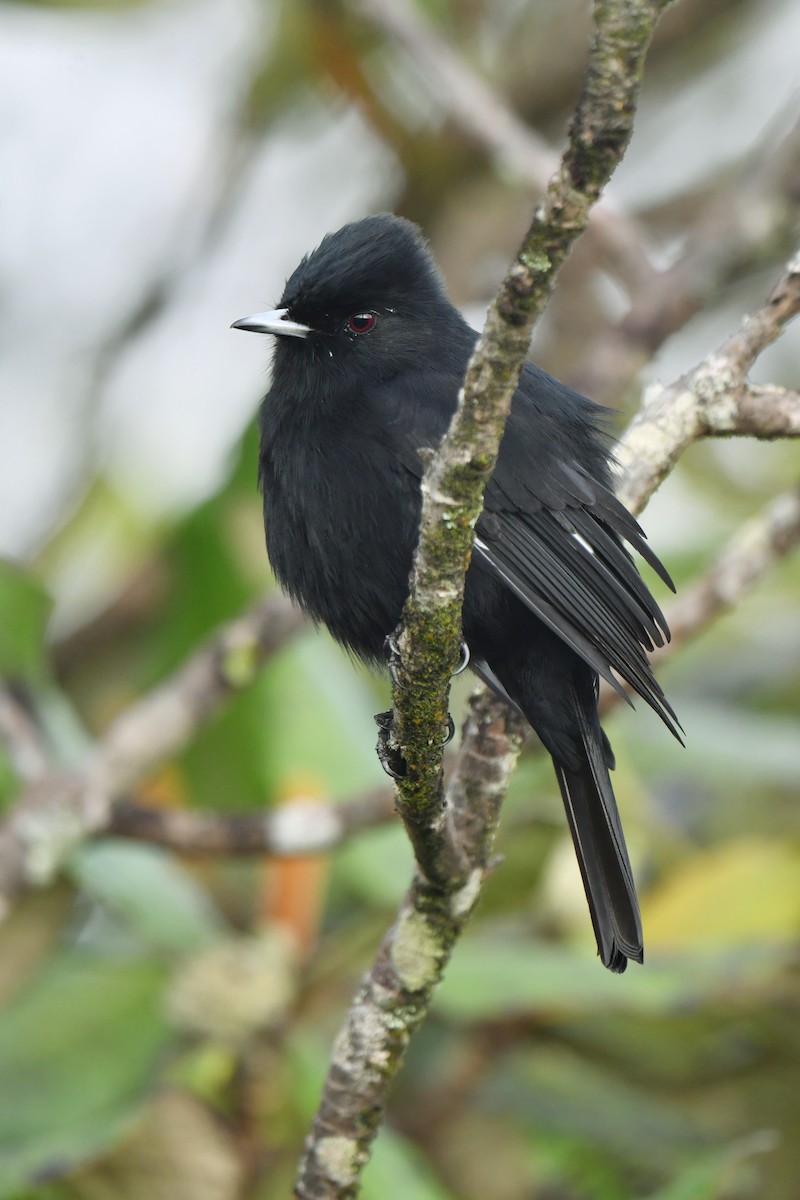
pixel 361 322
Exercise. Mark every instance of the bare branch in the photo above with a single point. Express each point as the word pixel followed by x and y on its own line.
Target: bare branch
pixel 714 399
pixel 766 411
pixel 394 996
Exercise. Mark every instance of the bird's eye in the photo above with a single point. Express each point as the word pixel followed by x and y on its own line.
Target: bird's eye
pixel 361 322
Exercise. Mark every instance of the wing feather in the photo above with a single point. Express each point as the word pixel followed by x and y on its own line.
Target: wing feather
pixel 566 561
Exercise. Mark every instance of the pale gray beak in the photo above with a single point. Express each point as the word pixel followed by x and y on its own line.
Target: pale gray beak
pixel 273 322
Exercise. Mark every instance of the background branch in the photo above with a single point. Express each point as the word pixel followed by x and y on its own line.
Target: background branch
pixel 304 826
pixel 485 117
pixel 21 737
pixel 60 809
pixel 745 222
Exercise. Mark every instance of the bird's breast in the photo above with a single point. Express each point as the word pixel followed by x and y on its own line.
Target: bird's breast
pixel 341 516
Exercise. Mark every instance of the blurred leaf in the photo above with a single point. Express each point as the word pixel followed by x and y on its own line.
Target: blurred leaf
pixel 309 1058
pixel 177 1151
pixel 30 934
pixel 93 555
pixel 732 895
pixel 487 979
pixel 554 1090
pixel 155 895
pixel 206 1070
pixel 236 988
pixel 724 743
pixel 319 717
pixel 721 1174
pixel 25 608
pixel 78 1052
pixel 9 782
pixel 377 865
pixel 398 1170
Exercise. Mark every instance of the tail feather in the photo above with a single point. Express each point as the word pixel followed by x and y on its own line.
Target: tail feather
pixel 601 852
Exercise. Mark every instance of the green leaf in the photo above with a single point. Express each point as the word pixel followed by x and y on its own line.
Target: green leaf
pixel 319 718
pixel 25 608
pixel 79 1050
pixel 157 898
pixel 377 865
pixel 720 1172
pixel 397 1170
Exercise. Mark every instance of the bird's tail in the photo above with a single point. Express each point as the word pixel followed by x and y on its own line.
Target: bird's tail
pixel 600 847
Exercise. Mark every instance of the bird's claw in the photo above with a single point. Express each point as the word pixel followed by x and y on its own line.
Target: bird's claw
pixel 389 756
pixel 463 663
pixel 393 659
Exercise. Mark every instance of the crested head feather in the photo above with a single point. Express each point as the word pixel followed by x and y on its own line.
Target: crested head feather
pixel 380 261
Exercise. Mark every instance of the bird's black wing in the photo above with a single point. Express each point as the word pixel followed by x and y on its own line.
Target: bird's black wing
pixel 553 531
pixel 552 528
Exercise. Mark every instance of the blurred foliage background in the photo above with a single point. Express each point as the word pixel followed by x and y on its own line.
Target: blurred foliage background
pixel 165 1023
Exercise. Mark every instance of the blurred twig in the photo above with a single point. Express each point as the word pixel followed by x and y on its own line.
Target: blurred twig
pixel 163 721
pixel 751 553
pixel 753 550
pixel 747 221
pixel 485 117
pixel 58 810
pixel 302 827
pixel 755 210
pixel 21 737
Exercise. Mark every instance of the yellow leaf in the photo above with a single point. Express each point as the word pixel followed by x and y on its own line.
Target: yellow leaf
pixel 743 891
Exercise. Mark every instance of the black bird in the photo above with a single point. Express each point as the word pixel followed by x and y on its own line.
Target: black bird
pixel 368 363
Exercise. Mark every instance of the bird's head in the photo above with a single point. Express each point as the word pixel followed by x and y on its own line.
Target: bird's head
pixel 370 296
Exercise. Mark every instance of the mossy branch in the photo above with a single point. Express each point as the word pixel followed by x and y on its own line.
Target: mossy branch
pixel 452 844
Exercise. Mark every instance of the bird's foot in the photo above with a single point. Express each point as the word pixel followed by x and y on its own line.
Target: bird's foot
pixel 389 755
pixel 393 659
